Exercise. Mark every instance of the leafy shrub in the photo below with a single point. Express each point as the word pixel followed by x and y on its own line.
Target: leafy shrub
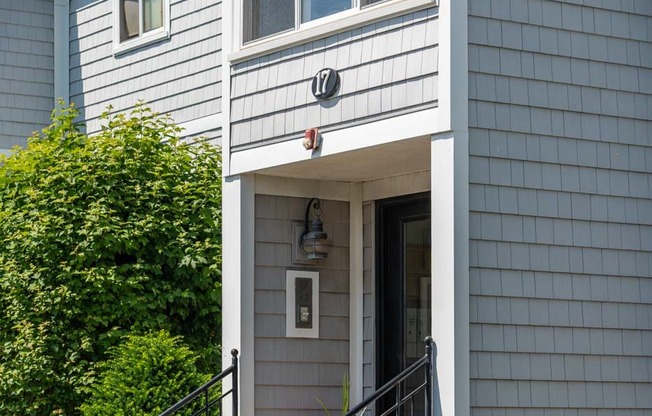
pixel 101 235
pixel 146 375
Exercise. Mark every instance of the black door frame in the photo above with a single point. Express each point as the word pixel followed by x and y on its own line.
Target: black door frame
pixel 390 292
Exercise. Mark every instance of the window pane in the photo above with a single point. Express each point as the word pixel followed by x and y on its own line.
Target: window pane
pixel 266 17
pixel 153 14
pixel 314 9
pixel 367 2
pixel 129 24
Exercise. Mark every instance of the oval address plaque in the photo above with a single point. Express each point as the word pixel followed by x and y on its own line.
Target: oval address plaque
pixel 325 83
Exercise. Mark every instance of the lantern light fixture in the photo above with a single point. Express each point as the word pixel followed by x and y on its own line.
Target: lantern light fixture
pixel 314 241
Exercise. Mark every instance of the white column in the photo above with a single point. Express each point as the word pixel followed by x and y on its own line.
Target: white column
pixel 450 270
pixel 450 213
pixel 238 211
pixel 61 50
pixel 356 293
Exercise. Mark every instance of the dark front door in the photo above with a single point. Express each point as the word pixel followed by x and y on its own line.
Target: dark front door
pixel 402 286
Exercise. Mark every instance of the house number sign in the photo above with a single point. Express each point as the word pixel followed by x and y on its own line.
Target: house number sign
pixel 325 83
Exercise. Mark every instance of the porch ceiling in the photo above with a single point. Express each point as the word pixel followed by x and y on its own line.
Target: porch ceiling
pixel 392 159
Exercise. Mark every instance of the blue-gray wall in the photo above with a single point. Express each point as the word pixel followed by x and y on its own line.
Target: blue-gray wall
pixel 369 302
pixel 387 68
pixel 561 215
pixel 181 75
pixel 26 69
pixel 292 373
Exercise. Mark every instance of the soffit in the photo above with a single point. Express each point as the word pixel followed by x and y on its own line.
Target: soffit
pixel 392 159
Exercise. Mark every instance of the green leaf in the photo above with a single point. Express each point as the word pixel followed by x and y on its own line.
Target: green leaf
pixel 99 236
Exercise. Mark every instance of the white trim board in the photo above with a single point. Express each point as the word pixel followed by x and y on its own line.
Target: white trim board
pixel 61 51
pixel 407 184
pixel 450 270
pixel 201 125
pixel 302 188
pixel 238 223
pixel 356 293
pixel 406 126
pixel 450 213
pixel 228 15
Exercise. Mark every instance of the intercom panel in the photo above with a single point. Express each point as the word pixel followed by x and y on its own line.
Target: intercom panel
pixel 302 304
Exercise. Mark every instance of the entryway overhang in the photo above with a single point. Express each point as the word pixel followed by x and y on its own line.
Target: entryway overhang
pixel 369 151
pixel 366 164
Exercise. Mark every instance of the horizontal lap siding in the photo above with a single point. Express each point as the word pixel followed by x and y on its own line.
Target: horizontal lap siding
pixel 386 68
pixel 561 207
pixel 26 69
pixel 292 373
pixel 180 75
pixel 214 136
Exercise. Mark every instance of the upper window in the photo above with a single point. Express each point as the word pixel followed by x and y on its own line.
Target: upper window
pixel 140 22
pixel 275 25
pixel 264 18
pixel 139 17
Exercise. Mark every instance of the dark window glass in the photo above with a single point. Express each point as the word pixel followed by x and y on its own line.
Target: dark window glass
pixel 267 17
pixel 315 9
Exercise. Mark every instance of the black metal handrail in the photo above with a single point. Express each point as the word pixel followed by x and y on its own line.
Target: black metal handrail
pixel 203 392
pixel 427 363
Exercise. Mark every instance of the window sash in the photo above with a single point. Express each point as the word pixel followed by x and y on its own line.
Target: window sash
pixel 138 17
pixel 287 15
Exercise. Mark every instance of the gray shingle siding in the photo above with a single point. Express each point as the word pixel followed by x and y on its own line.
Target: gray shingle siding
pixel 561 209
pixel 386 68
pixel 26 69
pixel 180 75
pixel 291 373
pixel 369 370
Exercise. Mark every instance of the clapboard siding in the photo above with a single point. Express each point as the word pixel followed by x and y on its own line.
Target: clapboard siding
pixel 291 373
pixel 213 136
pixel 26 69
pixel 386 68
pixel 560 218
pixel 180 75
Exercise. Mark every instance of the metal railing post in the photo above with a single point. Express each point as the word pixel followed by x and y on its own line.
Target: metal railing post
pixel 395 386
pixel 234 381
pixel 429 379
pixel 203 392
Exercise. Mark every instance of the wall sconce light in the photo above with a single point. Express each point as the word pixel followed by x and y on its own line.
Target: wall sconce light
pixel 314 241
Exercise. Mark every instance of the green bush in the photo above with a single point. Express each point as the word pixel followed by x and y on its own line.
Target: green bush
pixel 101 235
pixel 146 375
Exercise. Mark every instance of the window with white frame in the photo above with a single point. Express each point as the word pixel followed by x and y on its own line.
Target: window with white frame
pixel 140 21
pixel 263 18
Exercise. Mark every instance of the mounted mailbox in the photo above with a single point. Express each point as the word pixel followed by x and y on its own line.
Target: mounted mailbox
pixel 302 304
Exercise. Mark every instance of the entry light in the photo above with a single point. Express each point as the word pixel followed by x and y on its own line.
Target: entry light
pixel 314 241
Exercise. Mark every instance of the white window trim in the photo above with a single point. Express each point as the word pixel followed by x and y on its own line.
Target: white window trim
pixel 146 38
pixel 317 28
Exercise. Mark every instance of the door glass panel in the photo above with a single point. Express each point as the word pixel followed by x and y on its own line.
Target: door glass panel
pixel 416 237
pixel 403 300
